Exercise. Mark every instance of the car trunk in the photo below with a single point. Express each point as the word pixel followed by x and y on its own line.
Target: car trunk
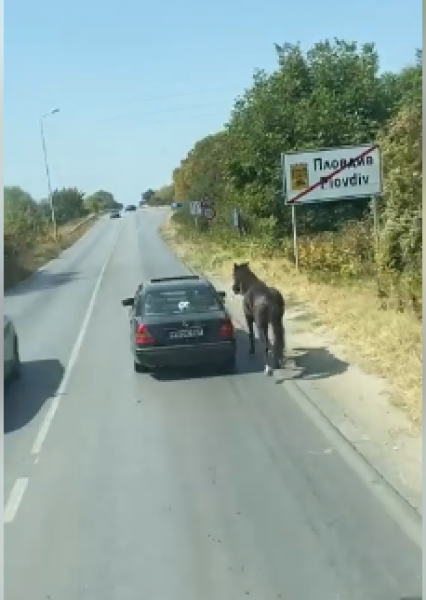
pixel 178 330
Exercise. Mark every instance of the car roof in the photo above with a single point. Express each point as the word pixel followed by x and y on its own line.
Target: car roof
pixel 170 283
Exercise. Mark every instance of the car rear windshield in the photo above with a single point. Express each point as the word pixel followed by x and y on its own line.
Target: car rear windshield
pixel 179 301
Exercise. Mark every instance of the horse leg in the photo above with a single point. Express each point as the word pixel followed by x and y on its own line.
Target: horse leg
pixel 250 323
pixel 263 334
pixel 278 347
pixel 279 344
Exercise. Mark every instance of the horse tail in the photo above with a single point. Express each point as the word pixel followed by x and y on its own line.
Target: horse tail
pixel 281 303
pixel 277 325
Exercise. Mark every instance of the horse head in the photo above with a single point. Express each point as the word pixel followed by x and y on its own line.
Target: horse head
pixel 239 275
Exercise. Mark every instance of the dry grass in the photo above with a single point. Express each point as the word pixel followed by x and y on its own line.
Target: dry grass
pixel 385 343
pixel 19 267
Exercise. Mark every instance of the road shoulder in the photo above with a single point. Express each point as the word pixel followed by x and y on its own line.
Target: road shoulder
pixel 354 402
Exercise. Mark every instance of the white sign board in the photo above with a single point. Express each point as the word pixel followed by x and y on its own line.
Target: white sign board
pixel 335 174
pixel 195 209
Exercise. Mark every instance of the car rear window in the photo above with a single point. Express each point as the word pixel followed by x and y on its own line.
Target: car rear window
pixel 178 301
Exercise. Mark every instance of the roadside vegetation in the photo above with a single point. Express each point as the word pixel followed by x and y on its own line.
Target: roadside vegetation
pixel 369 294
pixel 161 197
pixel 28 234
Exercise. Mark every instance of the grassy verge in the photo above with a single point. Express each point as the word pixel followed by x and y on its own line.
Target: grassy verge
pixel 22 264
pixel 383 342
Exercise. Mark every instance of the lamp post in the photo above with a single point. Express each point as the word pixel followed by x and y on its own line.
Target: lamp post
pixel 46 164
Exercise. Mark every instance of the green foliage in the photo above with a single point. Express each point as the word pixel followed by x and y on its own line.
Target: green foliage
pixel 68 204
pixel 201 173
pixel 28 223
pixel 400 247
pixel 330 96
pixel 23 219
pixel 101 201
pixel 162 197
pixel 148 195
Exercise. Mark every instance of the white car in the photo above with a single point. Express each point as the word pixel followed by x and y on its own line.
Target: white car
pixel 12 361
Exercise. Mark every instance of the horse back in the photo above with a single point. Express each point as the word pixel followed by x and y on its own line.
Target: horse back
pixel 264 303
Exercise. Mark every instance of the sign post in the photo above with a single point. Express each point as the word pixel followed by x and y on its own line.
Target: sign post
pixel 317 176
pixel 375 207
pixel 295 247
pixel 203 208
pixel 195 211
pixel 207 209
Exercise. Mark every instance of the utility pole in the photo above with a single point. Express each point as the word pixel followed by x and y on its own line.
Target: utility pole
pixel 46 164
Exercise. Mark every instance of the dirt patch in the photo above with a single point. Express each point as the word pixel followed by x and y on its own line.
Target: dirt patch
pixel 368 361
pixel 21 265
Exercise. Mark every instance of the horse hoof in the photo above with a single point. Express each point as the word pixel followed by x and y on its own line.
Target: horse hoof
pixel 268 371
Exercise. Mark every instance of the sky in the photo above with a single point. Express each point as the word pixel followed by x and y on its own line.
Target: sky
pixel 138 83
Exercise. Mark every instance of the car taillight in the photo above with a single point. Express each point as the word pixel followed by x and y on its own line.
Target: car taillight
pixel 143 336
pixel 227 329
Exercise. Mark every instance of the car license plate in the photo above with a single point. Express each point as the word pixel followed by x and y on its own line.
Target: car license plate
pixel 186 333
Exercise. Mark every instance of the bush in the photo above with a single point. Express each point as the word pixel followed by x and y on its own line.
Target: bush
pixel 28 232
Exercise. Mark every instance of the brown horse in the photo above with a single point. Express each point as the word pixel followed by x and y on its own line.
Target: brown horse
pixel 262 306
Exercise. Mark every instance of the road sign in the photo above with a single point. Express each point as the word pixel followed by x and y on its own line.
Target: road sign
pixel 317 176
pixel 206 203
pixel 195 208
pixel 209 212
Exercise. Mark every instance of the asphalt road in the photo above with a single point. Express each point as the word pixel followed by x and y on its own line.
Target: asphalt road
pixel 121 486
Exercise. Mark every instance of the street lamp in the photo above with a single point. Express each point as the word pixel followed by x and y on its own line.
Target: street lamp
pixel 46 164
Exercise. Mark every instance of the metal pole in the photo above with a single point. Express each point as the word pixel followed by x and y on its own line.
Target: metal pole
pixel 375 224
pixel 295 248
pixel 49 185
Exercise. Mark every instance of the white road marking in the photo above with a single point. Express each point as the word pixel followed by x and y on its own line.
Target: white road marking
pixel 15 498
pixel 41 436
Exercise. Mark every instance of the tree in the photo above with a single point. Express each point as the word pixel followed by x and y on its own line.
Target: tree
pixel 22 217
pixel 163 196
pixel 68 204
pixel 401 236
pixel 148 194
pixel 17 201
pixel 101 201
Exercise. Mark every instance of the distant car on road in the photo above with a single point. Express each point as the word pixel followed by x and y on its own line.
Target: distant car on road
pixel 178 322
pixel 12 361
pixel 115 214
pixel 130 208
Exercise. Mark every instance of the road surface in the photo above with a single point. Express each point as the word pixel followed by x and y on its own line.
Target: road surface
pixel 121 486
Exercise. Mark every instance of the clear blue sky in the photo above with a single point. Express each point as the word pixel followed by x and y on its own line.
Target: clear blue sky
pixel 137 82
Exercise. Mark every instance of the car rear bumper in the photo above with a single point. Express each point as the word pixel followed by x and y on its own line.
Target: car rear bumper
pixel 186 355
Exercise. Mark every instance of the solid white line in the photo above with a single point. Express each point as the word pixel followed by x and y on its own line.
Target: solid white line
pixel 14 500
pixel 73 357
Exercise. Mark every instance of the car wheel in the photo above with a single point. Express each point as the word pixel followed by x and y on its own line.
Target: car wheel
pixel 16 369
pixel 140 368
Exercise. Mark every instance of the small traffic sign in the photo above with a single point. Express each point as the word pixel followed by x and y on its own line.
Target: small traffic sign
pixel 206 203
pixel 209 212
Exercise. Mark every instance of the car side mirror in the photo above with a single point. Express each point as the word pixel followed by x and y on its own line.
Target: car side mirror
pixel 128 302
pixel 222 295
